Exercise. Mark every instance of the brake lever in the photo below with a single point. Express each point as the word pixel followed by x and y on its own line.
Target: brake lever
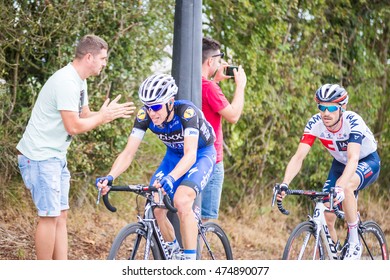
pixel 160 197
pixel 99 196
pixel 331 197
pixel 276 191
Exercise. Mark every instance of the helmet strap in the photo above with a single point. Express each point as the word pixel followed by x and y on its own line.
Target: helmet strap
pixel 340 115
pixel 169 111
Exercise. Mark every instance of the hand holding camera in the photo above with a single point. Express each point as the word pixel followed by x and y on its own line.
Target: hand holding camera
pixel 229 70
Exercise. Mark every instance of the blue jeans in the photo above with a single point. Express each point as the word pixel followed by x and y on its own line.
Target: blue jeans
pixel 49 183
pixel 211 195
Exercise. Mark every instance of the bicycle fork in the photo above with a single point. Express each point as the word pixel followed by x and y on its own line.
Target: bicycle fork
pixel 152 228
pixel 321 232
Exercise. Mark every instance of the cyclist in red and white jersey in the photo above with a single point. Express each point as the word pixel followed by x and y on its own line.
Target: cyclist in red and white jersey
pixel 356 163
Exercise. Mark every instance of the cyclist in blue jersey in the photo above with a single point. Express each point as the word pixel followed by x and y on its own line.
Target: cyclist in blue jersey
pixel 356 163
pixel 189 159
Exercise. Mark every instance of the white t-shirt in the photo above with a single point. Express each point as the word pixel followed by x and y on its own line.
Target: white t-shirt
pixel 45 135
pixel 353 129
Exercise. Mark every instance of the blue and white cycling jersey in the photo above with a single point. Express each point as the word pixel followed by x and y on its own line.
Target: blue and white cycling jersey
pixel 353 129
pixel 188 120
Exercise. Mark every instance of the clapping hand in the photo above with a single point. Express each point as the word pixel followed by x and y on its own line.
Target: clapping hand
pixel 114 110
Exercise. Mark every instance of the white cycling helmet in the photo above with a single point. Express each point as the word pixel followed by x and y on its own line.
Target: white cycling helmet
pixel 157 89
pixel 332 93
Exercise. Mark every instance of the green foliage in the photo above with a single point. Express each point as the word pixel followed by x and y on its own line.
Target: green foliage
pixel 39 37
pixel 288 49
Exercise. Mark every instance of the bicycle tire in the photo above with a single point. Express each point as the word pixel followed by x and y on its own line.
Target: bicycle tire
pixel 130 244
pixel 373 241
pixel 295 244
pixel 218 241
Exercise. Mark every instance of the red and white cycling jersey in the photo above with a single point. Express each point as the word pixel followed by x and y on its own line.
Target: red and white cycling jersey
pixel 353 129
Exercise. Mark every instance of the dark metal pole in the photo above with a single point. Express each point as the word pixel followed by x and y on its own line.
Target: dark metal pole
pixel 187 63
pixel 187 50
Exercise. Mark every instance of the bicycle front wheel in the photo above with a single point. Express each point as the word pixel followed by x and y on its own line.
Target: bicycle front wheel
pixel 216 246
pixel 130 244
pixel 373 242
pixel 301 245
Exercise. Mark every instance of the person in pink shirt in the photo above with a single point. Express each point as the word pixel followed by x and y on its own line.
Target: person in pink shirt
pixel 215 106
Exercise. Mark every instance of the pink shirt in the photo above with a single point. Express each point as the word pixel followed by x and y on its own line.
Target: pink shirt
pixel 213 101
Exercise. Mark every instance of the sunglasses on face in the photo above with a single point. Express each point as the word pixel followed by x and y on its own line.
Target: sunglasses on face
pixel 154 108
pixel 220 54
pixel 330 108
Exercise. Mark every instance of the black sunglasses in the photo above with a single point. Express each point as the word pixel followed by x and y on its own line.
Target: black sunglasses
pixel 220 54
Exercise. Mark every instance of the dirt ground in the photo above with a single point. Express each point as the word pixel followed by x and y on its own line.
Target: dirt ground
pixel 91 230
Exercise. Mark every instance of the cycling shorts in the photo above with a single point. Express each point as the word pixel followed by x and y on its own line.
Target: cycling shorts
pixel 368 170
pixel 196 177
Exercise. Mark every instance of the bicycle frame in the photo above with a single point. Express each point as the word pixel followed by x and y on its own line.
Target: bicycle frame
pixel 146 232
pixel 322 231
pixel 201 231
pixel 149 222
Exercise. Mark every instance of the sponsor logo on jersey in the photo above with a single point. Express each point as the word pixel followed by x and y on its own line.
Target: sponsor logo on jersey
pixel 342 145
pixel 205 131
pixel 328 144
pixel 175 146
pixel 189 113
pixel 352 121
pixel 141 115
pixel 313 121
pixel 176 122
pixel 171 137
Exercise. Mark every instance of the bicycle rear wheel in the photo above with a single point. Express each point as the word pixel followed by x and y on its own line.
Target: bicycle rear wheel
pixel 373 242
pixel 130 244
pixel 301 244
pixel 218 245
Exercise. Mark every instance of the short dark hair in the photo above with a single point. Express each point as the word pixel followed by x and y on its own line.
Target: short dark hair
pixel 208 47
pixel 90 44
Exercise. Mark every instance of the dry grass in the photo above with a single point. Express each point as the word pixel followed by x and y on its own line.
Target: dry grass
pixel 255 231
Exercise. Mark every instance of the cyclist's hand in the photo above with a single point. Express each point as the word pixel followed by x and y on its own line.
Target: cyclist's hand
pixel 167 184
pixel 103 183
pixel 283 188
pixel 339 195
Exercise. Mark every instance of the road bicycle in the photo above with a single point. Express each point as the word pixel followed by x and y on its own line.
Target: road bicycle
pixel 311 239
pixel 143 240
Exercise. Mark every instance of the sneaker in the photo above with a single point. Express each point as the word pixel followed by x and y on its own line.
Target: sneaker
pixel 178 254
pixel 354 251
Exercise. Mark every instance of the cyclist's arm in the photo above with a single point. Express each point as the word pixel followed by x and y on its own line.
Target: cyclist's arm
pixel 188 159
pixel 124 159
pixel 295 164
pixel 353 152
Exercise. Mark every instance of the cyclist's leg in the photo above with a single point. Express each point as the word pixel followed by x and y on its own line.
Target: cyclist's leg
pixel 168 163
pixel 334 173
pixel 164 224
pixel 184 199
pixel 366 173
pixel 193 182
